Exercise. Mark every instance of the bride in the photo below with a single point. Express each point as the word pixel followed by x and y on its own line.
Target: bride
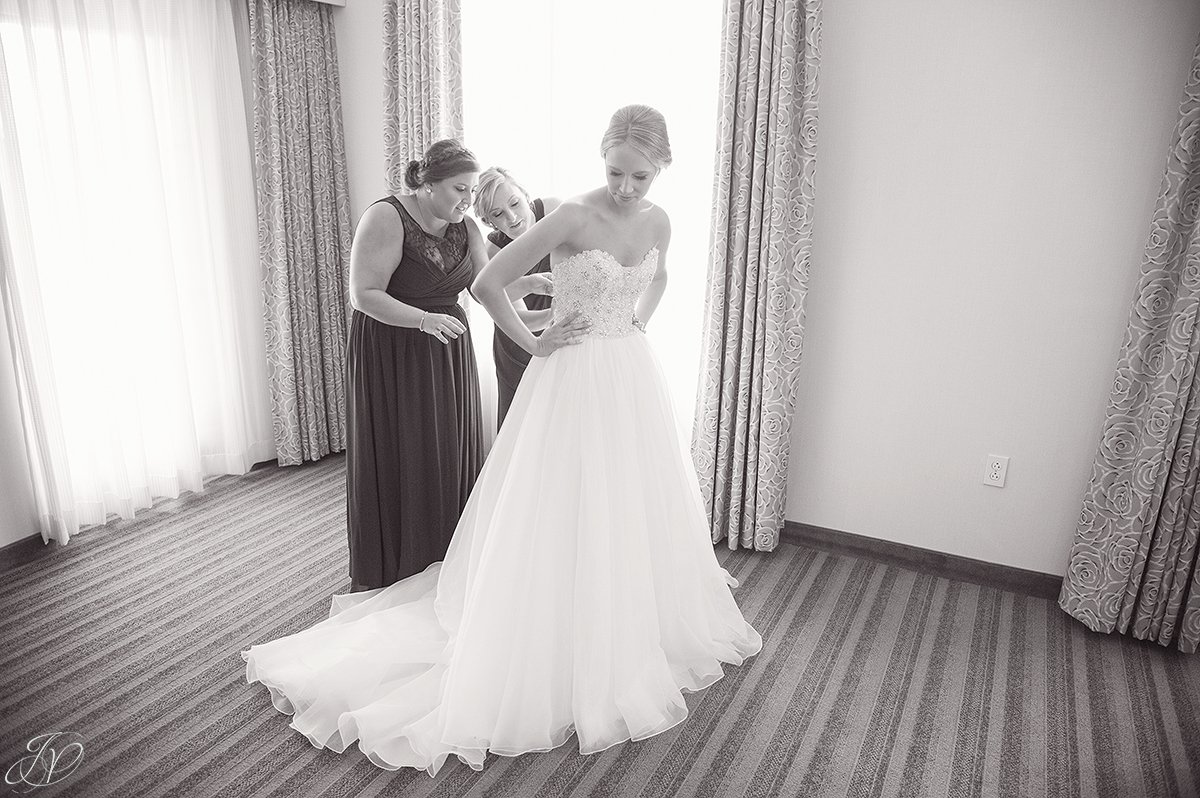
pixel 580 593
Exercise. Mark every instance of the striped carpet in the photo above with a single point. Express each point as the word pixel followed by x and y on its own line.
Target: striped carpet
pixel 873 681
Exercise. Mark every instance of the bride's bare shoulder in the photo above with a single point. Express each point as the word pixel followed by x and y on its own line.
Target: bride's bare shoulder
pixel 581 208
pixel 657 214
pixel 569 213
pixel 658 219
pixel 588 201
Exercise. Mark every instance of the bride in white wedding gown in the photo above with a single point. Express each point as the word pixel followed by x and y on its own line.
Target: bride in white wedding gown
pixel 580 594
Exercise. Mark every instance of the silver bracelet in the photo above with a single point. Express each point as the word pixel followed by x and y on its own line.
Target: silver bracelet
pixel 421 324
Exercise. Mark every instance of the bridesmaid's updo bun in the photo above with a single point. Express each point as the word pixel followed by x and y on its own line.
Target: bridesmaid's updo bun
pixel 412 175
pixel 443 159
pixel 642 128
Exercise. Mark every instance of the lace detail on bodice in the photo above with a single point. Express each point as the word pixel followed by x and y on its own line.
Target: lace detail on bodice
pixel 606 293
pixel 443 252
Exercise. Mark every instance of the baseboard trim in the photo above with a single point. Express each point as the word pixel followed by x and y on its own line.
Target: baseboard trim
pixel 22 551
pixel 950 566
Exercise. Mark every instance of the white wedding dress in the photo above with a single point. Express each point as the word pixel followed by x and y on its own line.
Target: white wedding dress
pixel 580 594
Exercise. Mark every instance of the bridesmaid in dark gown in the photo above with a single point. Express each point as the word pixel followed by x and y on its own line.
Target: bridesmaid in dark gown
pixel 504 205
pixel 415 435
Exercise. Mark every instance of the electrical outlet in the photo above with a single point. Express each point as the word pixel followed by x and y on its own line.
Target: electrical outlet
pixel 996 470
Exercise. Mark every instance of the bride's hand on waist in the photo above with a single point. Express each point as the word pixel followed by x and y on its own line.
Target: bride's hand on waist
pixel 566 331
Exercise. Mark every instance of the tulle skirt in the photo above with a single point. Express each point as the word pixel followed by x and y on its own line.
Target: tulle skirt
pixel 580 594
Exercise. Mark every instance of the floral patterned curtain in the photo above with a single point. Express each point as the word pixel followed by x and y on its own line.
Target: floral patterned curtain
pixel 304 224
pixel 758 274
pixel 422 80
pixel 1133 567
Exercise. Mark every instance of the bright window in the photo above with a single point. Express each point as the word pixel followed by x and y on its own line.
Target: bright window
pixel 541 80
pixel 128 207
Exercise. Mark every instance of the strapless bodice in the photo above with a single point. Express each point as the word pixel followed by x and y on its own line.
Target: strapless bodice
pixel 605 292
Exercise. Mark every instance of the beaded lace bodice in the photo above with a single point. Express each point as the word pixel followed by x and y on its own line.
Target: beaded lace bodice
pixel 606 293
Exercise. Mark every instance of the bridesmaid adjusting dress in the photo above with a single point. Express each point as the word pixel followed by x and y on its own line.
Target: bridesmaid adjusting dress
pixel 511 359
pixel 503 204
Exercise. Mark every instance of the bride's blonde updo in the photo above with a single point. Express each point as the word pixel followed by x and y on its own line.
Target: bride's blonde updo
pixel 644 129
pixel 443 159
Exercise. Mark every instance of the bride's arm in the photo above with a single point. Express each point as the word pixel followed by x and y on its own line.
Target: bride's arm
pixel 513 262
pixel 658 284
pixel 515 290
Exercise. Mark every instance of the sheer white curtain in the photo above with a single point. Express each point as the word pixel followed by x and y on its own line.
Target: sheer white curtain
pixel 131 282
pixel 540 81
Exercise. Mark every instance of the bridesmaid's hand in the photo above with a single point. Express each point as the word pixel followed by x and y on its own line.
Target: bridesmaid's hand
pixel 442 326
pixel 540 283
pixel 562 332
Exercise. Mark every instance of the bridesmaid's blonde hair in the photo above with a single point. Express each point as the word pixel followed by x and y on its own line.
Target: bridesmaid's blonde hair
pixel 489 181
pixel 644 129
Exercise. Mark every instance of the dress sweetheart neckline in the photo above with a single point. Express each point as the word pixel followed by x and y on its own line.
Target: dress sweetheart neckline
pixel 613 257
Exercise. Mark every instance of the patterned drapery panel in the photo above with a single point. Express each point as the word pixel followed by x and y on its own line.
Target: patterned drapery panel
pixel 1133 566
pixel 422 80
pixel 304 223
pixel 758 273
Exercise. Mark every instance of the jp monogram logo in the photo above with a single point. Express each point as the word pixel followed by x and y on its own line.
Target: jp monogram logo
pixel 52 758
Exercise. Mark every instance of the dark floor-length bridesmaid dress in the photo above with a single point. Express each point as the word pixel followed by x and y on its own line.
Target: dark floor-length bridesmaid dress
pixel 415 430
